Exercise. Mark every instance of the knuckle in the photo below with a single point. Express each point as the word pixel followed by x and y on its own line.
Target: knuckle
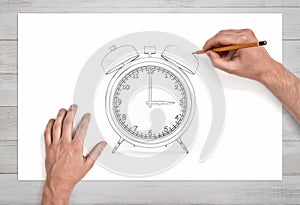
pixel 64 147
pixel 78 147
pixel 249 31
pixel 220 33
pixel 243 38
pixel 76 143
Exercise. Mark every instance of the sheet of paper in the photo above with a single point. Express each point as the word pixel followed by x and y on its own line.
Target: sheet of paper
pixel 54 52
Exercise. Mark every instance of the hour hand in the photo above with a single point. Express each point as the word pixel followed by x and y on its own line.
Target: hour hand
pixel 160 102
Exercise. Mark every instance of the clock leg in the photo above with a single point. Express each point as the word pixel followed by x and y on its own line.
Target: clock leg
pixel 182 145
pixel 118 145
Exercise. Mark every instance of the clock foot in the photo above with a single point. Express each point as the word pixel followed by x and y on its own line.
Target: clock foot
pixel 182 145
pixel 117 145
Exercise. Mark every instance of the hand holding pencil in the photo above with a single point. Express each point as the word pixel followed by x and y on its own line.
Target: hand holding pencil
pixel 234 47
pixel 255 63
pixel 252 62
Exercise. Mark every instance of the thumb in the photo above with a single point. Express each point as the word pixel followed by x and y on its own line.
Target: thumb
pixel 218 62
pixel 95 153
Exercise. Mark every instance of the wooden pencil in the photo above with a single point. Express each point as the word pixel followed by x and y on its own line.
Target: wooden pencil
pixel 234 47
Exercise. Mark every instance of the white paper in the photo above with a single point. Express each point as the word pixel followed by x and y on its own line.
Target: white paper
pixel 56 46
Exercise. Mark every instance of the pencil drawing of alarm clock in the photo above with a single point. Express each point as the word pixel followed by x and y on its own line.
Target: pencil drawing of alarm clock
pixel 150 100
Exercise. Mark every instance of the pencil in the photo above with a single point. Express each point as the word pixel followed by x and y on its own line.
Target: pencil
pixel 234 47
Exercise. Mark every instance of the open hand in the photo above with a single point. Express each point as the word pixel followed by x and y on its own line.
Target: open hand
pixel 65 163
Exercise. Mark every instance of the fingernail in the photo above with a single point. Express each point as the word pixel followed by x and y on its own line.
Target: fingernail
pixel 74 106
pixel 103 144
pixel 207 53
pixel 87 115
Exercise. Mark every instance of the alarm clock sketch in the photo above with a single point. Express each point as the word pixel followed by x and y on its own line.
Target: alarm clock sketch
pixel 150 100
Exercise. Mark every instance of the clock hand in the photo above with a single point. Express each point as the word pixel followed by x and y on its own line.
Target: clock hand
pixel 160 102
pixel 149 102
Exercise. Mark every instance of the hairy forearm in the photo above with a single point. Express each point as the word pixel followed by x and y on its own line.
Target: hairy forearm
pixel 285 86
pixel 55 197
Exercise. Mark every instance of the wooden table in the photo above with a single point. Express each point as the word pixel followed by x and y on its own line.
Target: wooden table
pixel 286 191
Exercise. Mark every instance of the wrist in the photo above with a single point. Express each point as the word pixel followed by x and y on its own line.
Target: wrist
pixel 54 195
pixel 271 73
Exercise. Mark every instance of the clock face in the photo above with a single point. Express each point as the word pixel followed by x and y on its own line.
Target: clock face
pixel 150 104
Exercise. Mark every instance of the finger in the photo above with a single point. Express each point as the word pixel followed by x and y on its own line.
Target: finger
pixel 48 132
pixel 231 31
pixel 218 62
pixel 225 39
pixel 56 131
pixel 82 128
pixel 67 128
pixel 94 154
pixel 235 31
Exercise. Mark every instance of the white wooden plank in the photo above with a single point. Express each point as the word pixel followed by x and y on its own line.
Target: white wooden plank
pixel 8 26
pixel 8 157
pixel 291 54
pixel 8 89
pixel 8 56
pixel 291 25
pixel 290 128
pixel 160 192
pixel 291 157
pixel 52 5
pixel 8 123
pixel 282 3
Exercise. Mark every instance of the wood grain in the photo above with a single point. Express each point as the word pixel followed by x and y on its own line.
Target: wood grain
pixel 54 5
pixel 8 56
pixel 8 89
pixel 8 123
pixel 160 192
pixel 8 25
pixel 8 21
pixel 291 54
pixel 8 157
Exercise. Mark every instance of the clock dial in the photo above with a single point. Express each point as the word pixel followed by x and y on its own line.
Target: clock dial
pixel 150 103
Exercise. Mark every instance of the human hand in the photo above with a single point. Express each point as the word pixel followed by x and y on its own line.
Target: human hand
pixel 65 163
pixel 251 63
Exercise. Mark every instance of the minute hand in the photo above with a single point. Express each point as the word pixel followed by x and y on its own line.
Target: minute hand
pixel 150 89
pixel 160 102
